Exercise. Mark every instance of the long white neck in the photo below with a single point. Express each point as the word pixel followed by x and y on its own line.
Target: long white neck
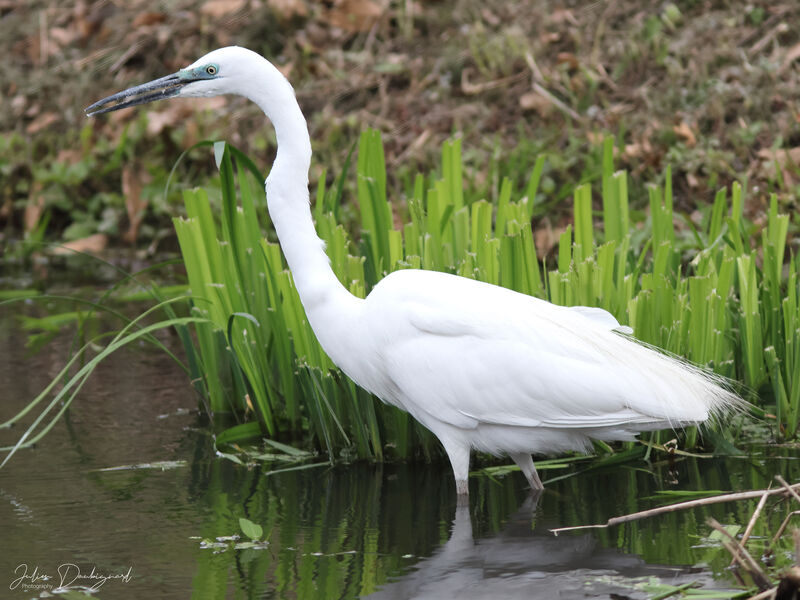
pixel 323 296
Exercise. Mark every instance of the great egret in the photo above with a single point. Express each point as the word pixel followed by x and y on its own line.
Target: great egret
pixel 479 365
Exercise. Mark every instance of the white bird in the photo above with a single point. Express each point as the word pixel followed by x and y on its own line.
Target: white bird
pixel 479 365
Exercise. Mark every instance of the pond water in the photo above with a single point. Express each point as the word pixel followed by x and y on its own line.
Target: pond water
pixel 393 531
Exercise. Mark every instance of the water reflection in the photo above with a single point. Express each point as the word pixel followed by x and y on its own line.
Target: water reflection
pixel 396 532
pixel 518 562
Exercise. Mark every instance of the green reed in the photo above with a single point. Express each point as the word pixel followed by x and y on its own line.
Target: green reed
pixel 716 292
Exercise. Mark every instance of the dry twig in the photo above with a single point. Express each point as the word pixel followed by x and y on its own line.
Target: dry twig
pixel 742 556
pixel 679 506
pixel 765 595
pixel 753 518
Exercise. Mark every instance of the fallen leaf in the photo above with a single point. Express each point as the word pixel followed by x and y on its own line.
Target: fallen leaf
pixel 792 54
pixel 354 15
pixel 88 20
pixel 134 204
pixel 43 121
pixel 683 130
pixel 550 37
pixel 638 149
pixel 596 138
pixel 34 207
pixel 18 104
pixel 491 18
pixel 567 58
pixel 782 156
pixel 545 237
pixel 286 70
pixel 149 18
pixel 6 208
pixel 633 150
pixel 535 102
pixel 62 36
pixel 562 15
pixel 69 156
pixel 220 8
pixel 288 9
pixel 94 244
pixel 169 115
pixel 785 159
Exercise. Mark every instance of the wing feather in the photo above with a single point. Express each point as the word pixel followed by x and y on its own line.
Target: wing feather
pixel 465 353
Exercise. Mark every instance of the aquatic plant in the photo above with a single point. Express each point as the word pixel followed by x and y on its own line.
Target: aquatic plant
pixel 707 292
pixel 718 292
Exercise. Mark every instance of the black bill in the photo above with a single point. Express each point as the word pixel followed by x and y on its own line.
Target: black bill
pixel 158 89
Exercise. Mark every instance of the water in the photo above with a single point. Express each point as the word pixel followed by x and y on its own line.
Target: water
pixel 391 531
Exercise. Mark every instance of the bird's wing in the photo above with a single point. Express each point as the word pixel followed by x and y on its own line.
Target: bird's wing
pixel 466 353
pixel 600 317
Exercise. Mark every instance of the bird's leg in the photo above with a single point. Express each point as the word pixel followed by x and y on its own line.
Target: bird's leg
pixel 525 463
pixel 459 459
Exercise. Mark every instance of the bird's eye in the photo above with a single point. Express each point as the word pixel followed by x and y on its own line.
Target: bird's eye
pixel 211 69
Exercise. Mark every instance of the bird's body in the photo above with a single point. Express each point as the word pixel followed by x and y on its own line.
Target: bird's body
pixel 480 366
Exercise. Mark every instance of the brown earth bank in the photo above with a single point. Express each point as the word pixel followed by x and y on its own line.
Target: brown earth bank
pixel 708 87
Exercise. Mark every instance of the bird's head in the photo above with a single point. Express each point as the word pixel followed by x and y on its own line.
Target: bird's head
pixel 221 71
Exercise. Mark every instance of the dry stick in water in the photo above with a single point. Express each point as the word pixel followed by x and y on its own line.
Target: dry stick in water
pixel 788 518
pixel 742 556
pixel 754 517
pixel 787 487
pixel 767 595
pixel 679 506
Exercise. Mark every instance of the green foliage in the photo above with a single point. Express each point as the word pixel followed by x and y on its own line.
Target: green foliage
pixel 250 529
pixel 726 308
pixel 254 347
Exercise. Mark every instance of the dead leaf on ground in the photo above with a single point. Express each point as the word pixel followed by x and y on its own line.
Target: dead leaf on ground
pixel 149 18
pixel 288 9
pixel 43 121
pixel 94 244
pixel 62 36
pixel 88 20
pixel 69 156
pixel 785 159
pixel 34 207
pixel 491 18
pixel 169 115
pixel 181 113
pixel 354 15
pixel 550 37
pixel 684 131
pixel 641 153
pixel 596 138
pixel 18 104
pixel 535 102
pixel 286 69
pixel 221 8
pixel 132 183
pixel 792 54
pixel 783 156
pixel 562 15
pixel 567 58
pixel 545 237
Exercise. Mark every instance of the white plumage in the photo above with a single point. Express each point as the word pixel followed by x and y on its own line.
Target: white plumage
pixel 480 366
